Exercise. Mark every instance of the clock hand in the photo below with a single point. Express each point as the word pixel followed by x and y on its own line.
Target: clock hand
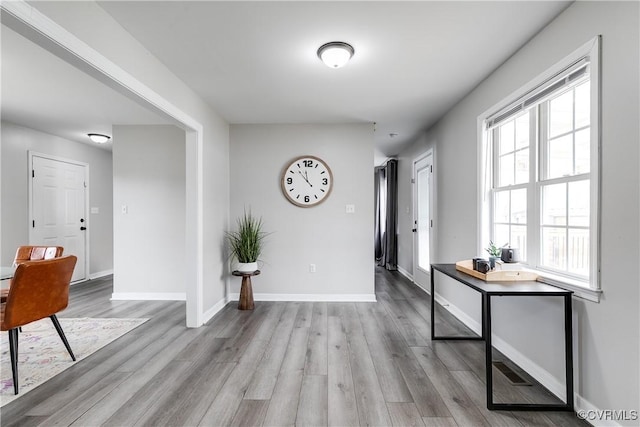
pixel 305 178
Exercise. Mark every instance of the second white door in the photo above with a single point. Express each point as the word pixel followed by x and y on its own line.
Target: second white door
pixel 422 218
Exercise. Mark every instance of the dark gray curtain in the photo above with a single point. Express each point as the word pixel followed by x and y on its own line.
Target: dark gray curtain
pixel 386 243
pixel 380 189
pixel 391 238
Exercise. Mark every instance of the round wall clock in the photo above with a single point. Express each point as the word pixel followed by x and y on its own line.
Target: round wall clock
pixel 306 181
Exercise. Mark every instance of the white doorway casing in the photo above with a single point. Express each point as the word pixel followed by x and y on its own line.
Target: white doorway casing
pixel 423 209
pixel 32 24
pixel 58 197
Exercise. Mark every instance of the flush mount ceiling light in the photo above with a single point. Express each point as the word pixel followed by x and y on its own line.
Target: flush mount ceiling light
pixel 98 138
pixel 335 54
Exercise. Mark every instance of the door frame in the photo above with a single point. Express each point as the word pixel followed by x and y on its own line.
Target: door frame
pixel 87 187
pixel 414 195
pixel 44 32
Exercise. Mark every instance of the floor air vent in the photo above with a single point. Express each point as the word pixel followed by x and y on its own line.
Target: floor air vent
pixel 511 375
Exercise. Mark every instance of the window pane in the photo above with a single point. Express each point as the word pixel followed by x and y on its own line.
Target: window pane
pixel 560 161
pixel 583 106
pixel 522 166
pixel 583 151
pixel 501 213
pixel 522 131
pixel 519 239
pixel 579 203
pixel 561 114
pixel 554 246
pixel 501 235
pixel 579 252
pixel 519 206
pixel 505 176
pixel 506 138
pixel 554 204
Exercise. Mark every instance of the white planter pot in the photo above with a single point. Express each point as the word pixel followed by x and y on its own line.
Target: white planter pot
pixel 247 267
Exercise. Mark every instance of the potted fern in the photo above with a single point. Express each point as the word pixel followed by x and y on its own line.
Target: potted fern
pixel 246 243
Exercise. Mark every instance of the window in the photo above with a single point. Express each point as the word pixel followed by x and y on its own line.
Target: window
pixel 540 173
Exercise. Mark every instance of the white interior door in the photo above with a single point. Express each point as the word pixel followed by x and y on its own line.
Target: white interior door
pixel 422 218
pixel 58 208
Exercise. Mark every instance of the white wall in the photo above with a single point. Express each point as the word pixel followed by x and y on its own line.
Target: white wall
pixel 149 239
pixel 340 244
pixel 606 334
pixel 91 24
pixel 16 142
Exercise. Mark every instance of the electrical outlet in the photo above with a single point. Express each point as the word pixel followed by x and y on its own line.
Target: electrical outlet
pixel 312 268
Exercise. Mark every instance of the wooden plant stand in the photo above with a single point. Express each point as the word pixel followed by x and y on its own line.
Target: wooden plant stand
pixel 245 301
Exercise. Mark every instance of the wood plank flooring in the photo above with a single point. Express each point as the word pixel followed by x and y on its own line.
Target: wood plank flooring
pixel 283 364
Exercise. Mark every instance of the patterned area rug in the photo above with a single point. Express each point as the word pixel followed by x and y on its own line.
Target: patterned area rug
pixel 42 355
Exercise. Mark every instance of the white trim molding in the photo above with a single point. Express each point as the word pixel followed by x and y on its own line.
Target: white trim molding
pixel 46 33
pixel 148 296
pixel 309 297
pixel 405 273
pixel 99 274
pixel 217 307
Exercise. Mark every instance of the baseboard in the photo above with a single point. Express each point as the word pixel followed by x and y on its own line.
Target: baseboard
pixel 148 296
pixel 309 297
pixel 405 273
pixel 99 274
pixel 469 321
pixel 208 315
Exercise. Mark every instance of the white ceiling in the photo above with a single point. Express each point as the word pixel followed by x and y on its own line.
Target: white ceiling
pixel 42 92
pixel 255 62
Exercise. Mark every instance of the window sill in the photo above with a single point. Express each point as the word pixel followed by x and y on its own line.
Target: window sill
pixel 579 290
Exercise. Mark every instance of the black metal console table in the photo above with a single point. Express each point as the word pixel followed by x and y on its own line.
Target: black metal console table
pixel 520 288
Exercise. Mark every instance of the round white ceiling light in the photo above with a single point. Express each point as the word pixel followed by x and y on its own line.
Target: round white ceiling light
pixel 335 54
pixel 98 138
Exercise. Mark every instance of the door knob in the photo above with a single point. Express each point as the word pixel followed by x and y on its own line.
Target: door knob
pixel 83 228
pixel 414 229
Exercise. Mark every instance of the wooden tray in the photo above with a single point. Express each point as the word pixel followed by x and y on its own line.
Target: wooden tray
pixel 497 275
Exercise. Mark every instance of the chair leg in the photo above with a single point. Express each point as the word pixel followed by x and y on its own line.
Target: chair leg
pixel 54 319
pixel 13 350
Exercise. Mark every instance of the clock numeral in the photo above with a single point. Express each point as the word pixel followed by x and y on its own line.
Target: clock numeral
pixel 325 181
pixel 307 163
pixel 306 199
pixel 289 180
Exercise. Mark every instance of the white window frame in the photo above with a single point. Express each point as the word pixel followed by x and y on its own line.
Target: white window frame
pixel 590 290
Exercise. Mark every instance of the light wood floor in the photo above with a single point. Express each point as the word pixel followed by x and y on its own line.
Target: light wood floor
pixel 285 363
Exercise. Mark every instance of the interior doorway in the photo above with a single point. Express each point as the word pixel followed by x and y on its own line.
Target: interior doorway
pixel 38 28
pixel 58 207
pixel 422 218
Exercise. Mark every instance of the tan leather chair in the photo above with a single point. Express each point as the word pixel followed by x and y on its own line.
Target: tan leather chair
pixel 32 253
pixel 39 289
